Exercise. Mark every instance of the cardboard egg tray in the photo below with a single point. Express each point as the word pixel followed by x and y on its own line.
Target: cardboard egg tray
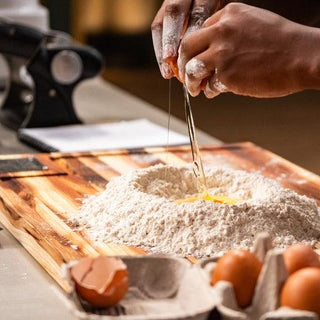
pixel 266 300
pixel 160 287
pixel 165 287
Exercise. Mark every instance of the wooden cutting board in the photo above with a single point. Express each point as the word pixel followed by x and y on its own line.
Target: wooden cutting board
pixel 35 205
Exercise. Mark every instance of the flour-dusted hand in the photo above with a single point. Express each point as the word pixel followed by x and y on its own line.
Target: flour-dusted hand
pixel 250 51
pixel 175 18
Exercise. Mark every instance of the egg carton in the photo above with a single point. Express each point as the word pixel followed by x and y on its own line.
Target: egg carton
pixel 266 300
pixel 163 287
pixel 160 287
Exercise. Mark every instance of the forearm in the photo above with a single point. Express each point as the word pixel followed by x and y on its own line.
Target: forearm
pixel 306 12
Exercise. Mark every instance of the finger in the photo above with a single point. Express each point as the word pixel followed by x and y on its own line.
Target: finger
pixel 213 19
pixel 175 15
pixel 192 45
pixel 157 28
pixel 210 92
pixel 201 11
pixel 198 69
pixel 215 86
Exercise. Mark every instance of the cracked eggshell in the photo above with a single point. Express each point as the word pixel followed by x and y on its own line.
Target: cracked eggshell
pixel 101 281
pixel 161 287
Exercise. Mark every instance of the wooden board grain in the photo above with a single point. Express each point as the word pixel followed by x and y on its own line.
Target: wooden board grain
pixel 36 208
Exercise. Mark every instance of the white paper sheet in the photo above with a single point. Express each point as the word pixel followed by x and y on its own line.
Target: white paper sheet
pixel 120 135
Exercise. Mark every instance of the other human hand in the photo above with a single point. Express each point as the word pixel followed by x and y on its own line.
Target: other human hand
pixel 250 51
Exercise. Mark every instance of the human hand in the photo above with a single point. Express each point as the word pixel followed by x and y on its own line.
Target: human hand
pixel 174 19
pixel 250 51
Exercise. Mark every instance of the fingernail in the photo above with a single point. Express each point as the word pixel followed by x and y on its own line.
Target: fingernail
pixel 166 70
pixel 209 93
pixel 204 83
pixel 168 51
pixel 192 87
pixel 194 94
pixel 207 90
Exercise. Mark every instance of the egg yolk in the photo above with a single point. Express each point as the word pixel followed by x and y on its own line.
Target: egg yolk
pixel 207 197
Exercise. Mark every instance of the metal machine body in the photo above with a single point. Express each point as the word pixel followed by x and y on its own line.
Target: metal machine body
pixel 45 68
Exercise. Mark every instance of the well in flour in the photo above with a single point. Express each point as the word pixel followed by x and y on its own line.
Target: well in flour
pixel 139 209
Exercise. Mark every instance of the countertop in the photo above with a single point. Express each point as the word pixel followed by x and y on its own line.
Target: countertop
pixel 27 292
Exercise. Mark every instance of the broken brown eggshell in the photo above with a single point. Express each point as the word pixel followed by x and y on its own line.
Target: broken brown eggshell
pixel 161 287
pixel 101 281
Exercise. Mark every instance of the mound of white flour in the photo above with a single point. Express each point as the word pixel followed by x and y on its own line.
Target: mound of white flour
pixel 139 209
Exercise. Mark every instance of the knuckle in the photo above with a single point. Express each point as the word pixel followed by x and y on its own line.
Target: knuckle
pixel 191 75
pixel 218 55
pixel 232 7
pixel 221 53
pixel 225 29
pixel 156 25
pixel 173 9
pixel 209 22
pixel 218 29
pixel 197 70
pixel 185 45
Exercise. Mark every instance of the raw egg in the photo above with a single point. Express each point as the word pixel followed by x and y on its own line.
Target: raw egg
pixel 101 281
pixel 302 290
pixel 241 268
pixel 205 196
pixel 300 256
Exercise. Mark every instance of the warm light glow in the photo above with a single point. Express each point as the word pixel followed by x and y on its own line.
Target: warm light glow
pixel 125 16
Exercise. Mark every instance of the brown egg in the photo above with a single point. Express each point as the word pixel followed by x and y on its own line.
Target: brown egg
pixel 302 290
pixel 241 268
pixel 300 256
pixel 101 281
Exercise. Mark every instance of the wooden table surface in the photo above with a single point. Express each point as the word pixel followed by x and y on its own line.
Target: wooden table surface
pixel 36 206
pixel 26 291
